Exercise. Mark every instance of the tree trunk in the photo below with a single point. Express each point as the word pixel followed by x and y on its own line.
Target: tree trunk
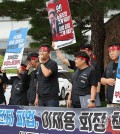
pixel 98 37
pixel 98 41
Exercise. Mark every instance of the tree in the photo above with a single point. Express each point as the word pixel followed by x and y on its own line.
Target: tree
pixel 84 12
pixel 36 12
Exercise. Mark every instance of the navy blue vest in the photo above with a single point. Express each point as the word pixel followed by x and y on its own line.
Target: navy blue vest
pixel 110 74
pixel 80 81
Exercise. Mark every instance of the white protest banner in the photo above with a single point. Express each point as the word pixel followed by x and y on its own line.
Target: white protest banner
pixel 60 22
pixel 116 95
pixel 15 48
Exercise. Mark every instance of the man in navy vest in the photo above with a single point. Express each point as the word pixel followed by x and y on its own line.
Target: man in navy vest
pixel 84 82
pixel 92 62
pixel 109 76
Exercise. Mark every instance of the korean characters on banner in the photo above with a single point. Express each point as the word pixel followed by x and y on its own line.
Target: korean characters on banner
pixel 37 120
pixel 116 95
pixel 15 48
pixel 60 23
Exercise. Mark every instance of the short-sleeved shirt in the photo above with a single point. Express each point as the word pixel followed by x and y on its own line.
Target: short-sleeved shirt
pixel 48 87
pixel 94 64
pixel 72 65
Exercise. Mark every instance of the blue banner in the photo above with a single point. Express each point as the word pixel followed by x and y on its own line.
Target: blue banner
pixel 118 69
pixel 51 120
pixel 16 40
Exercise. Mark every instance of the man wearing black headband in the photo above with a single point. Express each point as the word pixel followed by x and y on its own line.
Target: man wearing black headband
pixel 20 85
pixel 84 83
pixel 33 62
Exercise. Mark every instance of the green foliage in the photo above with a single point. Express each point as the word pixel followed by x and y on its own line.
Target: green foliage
pixel 1 60
pixel 35 10
pixel 14 71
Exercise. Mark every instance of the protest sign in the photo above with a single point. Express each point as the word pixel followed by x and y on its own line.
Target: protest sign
pixel 61 23
pixel 116 95
pixel 15 48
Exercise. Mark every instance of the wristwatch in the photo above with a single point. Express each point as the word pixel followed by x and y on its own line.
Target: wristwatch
pixel 41 63
pixel 93 101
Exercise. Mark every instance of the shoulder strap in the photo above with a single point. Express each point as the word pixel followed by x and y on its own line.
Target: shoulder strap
pixel 88 69
pixel 110 66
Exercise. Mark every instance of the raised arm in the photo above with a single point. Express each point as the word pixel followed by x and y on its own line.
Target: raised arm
pixel 60 55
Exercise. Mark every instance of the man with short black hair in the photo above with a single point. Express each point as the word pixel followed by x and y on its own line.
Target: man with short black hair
pixel 20 85
pixel 47 76
pixel 92 62
pixel 84 81
pixel 33 62
pixel 89 50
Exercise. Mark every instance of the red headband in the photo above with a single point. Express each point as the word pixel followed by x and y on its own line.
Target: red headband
pixel 93 56
pixel 87 49
pixel 114 48
pixel 83 57
pixel 44 49
pixel 33 58
pixel 24 68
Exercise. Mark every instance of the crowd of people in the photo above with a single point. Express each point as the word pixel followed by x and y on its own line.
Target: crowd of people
pixel 40 87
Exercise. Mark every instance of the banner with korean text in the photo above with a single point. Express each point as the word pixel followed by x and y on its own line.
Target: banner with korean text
pixel 60 22
pixel 15 48
pixel 116 95
pixel 51 120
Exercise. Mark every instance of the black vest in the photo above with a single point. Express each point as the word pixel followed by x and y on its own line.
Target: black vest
pixel 19 93
pixel 80 81
pixel 110 74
